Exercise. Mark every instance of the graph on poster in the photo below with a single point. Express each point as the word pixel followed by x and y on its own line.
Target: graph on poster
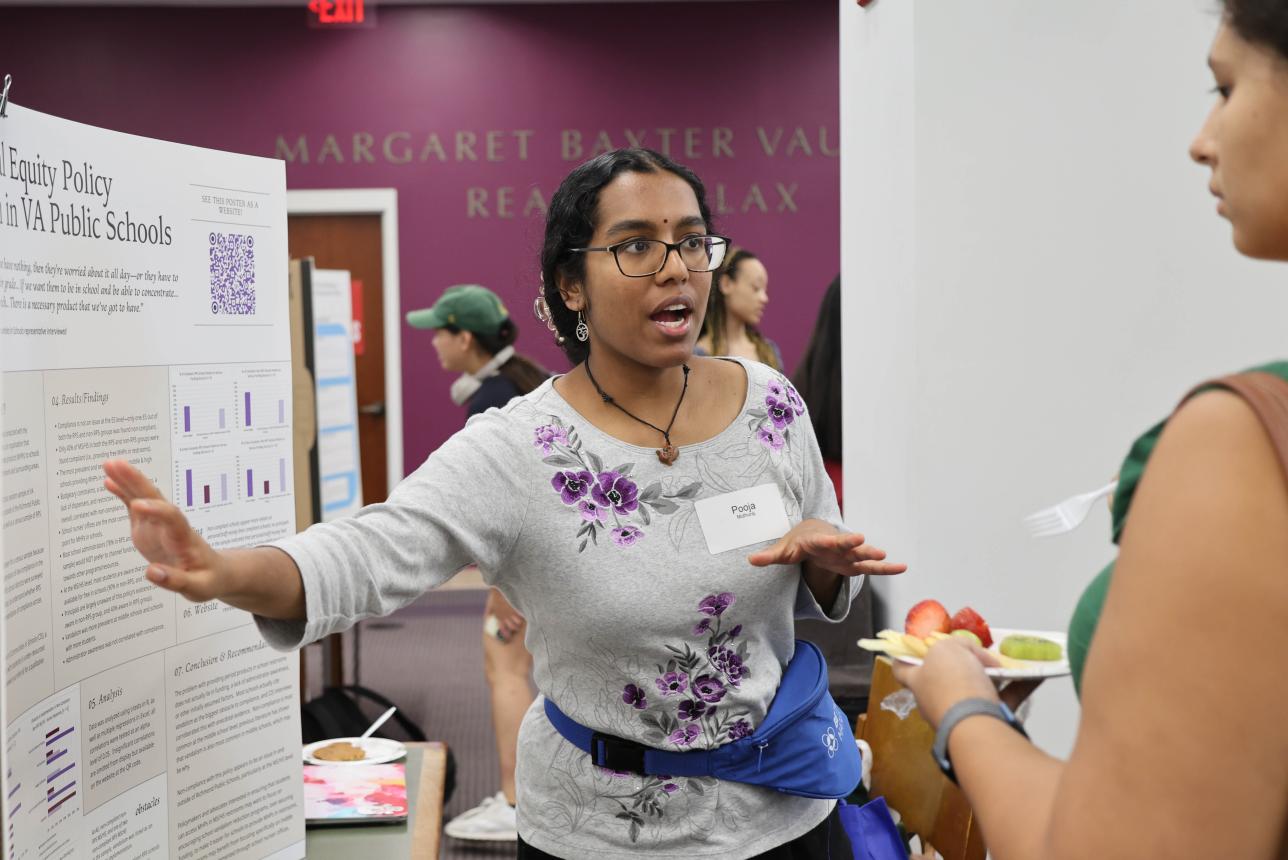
pixel 203 481
pixel 204 402
pixel 263 396
pixel 265 475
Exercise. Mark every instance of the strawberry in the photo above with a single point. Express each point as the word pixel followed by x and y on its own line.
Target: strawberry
pixel 968 619
pixel 928 616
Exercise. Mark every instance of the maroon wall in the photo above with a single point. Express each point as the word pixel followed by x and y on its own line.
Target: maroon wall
pixel 747 90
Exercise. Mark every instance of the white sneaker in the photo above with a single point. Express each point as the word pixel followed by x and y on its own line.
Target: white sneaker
pixel 492 820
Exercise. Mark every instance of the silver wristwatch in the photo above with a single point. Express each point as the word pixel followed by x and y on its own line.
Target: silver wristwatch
pixel 960 711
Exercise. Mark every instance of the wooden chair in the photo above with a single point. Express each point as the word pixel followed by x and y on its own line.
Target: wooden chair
pixel 905 774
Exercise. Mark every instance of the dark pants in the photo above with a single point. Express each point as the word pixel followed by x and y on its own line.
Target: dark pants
pixel 825 842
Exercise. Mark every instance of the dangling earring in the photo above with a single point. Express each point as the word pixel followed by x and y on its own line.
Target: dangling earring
pixel 583 330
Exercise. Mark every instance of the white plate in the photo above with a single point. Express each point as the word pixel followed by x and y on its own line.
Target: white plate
pixel 378 750
pixel 1031 669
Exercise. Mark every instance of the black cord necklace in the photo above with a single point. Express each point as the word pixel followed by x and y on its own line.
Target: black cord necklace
pixel 668 452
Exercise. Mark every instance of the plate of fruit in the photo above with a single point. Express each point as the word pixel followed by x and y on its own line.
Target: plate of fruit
pixel 1021 653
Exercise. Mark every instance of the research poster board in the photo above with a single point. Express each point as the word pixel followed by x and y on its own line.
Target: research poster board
pixel 339 459
pixel 143 287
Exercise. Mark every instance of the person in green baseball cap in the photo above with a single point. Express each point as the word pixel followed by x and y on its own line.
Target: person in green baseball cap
pixel 474 336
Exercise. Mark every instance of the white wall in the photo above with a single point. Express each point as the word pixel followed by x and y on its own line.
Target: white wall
pixel 1033 274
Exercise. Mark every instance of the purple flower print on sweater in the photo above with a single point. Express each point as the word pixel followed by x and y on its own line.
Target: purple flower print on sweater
pixel 571 486
pixel 727 661
pixel 716 604
pixel 691 709
pixel 609 503
pixel 616 491
pixel 591 512
pixel 673 684
pixel 634 696
pixel 685 736
pixel 739 730
pixel 771 439
pixel 709 689
pixel 794 400
pixel 547 436
pixel 626 535
pixel 781 412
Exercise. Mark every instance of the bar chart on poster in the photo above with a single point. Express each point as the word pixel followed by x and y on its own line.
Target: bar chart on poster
pixel 144 318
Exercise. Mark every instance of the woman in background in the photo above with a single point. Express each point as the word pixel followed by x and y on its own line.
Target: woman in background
pixel 818 381
pixel 735 309
pixel 1178 647
pixel 474 336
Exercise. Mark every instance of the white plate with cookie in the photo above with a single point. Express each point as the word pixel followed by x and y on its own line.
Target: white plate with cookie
pixel 346 751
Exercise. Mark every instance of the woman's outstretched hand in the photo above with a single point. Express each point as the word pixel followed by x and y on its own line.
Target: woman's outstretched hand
pixel 818 544
pixel 179 559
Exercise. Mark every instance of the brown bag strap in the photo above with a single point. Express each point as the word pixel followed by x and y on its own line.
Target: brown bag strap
pixel 1267 394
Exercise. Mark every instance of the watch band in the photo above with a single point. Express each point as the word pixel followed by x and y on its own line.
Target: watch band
pixel 960 711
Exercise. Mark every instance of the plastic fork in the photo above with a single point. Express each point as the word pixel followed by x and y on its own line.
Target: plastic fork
pixel 1068 515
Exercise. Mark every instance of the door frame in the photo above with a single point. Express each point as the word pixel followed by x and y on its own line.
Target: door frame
pixel 382 202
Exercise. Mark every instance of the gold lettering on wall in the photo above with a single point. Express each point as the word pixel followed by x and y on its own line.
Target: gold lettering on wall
pixel 721 137
pixel 465 146
pixel 403 154
pixel 695 143
pixel 284 151
pixel 362 142
pixel 499 145
pixel 536 203
pixel 786 196
pixel 433 146
pixel 330 148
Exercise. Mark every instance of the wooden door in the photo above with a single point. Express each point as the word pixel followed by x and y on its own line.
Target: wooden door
pixel 352 242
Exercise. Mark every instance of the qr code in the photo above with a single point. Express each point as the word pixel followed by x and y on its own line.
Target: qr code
pixel 232 274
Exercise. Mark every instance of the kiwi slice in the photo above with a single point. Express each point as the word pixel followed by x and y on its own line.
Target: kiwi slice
pixel 1020 647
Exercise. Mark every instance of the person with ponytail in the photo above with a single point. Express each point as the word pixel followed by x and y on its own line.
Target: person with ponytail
pixel 474 335
pixel 735 309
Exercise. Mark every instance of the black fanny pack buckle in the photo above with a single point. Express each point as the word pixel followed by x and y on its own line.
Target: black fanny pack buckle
pixel 617 753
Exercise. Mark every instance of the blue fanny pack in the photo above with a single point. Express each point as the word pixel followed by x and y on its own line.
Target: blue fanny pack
pixel 804 746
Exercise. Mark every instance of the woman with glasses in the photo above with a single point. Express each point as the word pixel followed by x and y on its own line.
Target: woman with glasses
pixel 1178 646
pixel 652 619
pixel 734 311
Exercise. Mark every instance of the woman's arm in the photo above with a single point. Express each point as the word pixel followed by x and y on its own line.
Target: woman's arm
pixel 1182 749
pixel 264 581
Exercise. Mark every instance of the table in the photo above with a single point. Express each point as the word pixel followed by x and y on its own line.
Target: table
pixel 416 840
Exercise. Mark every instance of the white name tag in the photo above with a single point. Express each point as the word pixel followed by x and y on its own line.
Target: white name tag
pixel 742 518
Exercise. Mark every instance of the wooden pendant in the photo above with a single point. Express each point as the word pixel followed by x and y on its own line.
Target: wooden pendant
pixel 668 454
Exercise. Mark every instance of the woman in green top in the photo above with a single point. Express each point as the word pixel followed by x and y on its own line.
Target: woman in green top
pixel 1185 756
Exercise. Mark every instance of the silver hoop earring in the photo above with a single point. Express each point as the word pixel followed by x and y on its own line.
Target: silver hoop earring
pixel 583 330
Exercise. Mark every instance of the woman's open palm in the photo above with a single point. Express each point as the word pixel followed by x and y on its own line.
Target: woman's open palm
pixel 179 559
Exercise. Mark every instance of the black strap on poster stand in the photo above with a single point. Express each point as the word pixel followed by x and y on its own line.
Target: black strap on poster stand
pixel 4 96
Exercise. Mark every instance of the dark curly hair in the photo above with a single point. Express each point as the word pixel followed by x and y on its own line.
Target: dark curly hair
pixel 1264 22
pixel 570 223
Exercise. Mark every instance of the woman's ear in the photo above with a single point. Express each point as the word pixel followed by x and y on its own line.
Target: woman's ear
pixel 571 293
pixel 724 284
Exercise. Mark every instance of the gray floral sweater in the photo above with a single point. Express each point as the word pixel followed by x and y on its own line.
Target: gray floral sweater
pixel 635 628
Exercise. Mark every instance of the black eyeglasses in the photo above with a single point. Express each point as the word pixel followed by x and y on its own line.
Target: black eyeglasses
pixel 643 258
